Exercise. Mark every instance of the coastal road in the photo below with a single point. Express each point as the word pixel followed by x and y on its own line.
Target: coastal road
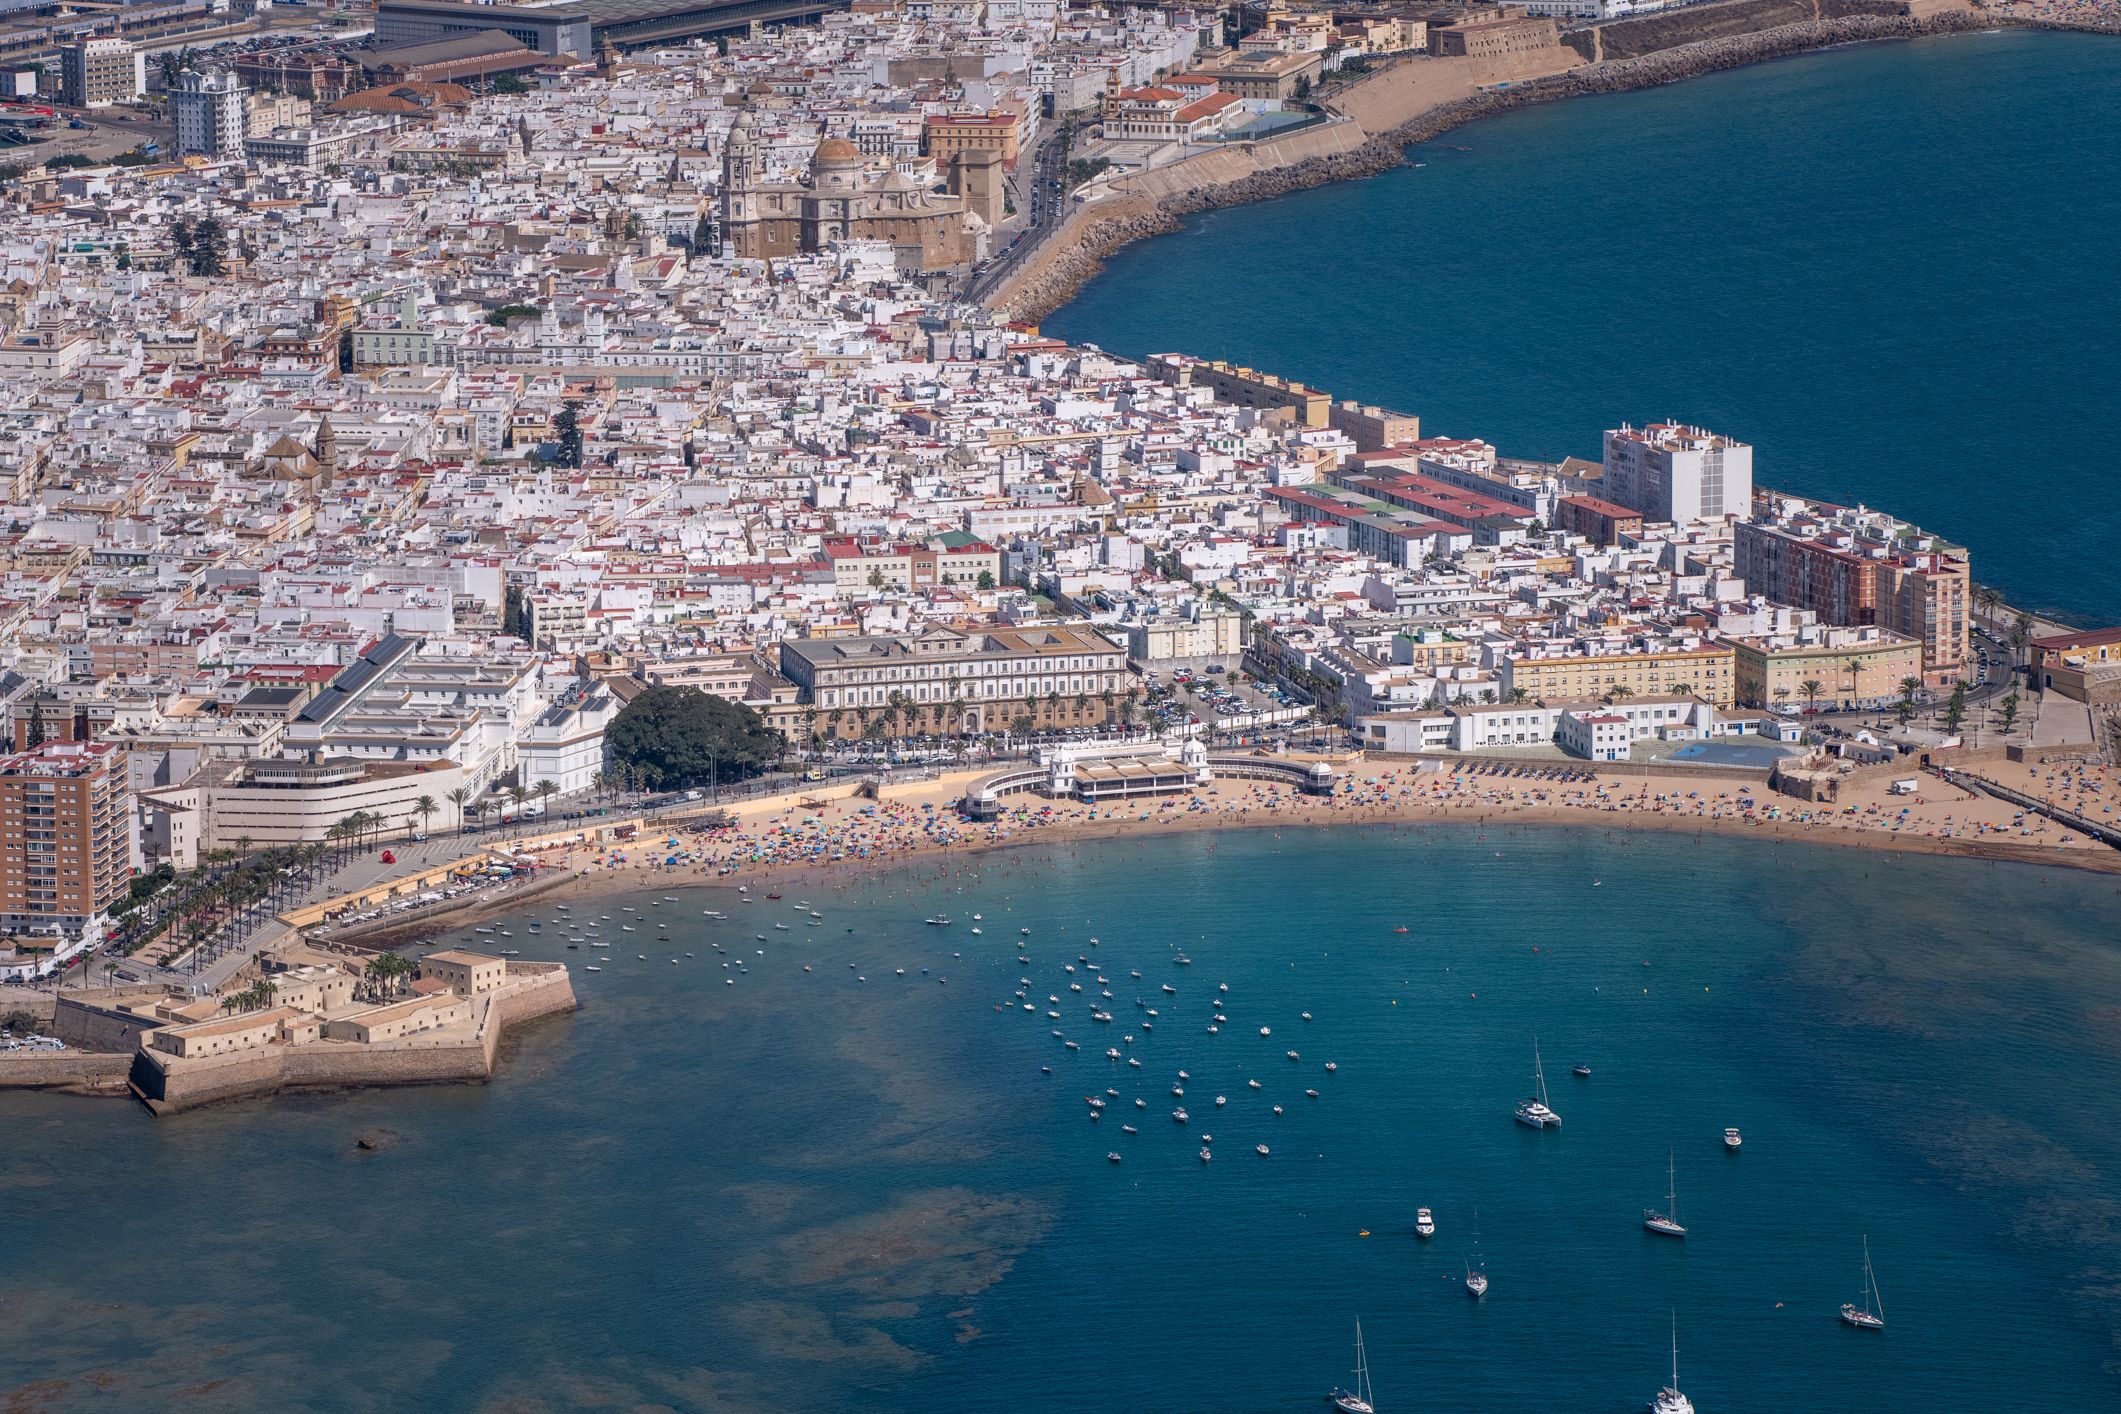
pixel 1045 206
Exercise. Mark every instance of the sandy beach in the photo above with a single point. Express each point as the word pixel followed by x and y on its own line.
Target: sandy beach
pixel 779 842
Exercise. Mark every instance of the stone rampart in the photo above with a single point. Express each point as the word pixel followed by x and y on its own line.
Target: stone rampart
pixel 68 1070
pixel 95 1025
pixel 169 1085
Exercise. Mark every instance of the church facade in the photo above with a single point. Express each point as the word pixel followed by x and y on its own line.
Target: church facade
pixel 844 198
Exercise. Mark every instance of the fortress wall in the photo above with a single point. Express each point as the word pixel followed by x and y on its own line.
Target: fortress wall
pixel 68 1069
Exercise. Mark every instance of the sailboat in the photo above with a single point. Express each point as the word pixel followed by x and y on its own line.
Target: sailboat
pixel 1356 1400
pixel 1534 1110
pixel 1669 1400
pixel 1476 1265
pixel 1666 1222
pixel 1871 1315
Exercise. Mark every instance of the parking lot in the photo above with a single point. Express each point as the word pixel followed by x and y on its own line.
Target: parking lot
pixel 1218 697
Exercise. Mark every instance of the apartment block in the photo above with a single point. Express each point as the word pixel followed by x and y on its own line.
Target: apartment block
pixel 1855 567
pixel 66 826
pixel 1670 471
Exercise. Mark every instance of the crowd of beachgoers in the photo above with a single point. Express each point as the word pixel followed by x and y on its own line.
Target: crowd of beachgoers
pixel 779 838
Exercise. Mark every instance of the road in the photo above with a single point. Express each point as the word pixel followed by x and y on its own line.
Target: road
pixel 1047 209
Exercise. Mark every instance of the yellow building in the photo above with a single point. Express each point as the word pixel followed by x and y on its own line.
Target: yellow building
pixel 469 973
pixel 1850 666
pixel 1244 387
pixel 1707 673
pixel 949 135
pixel 399 1020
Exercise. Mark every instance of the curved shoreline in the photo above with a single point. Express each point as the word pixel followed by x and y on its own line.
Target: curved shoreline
pixel 1120 220
pixel 1624 816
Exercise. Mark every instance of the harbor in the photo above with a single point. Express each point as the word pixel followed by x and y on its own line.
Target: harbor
pixel 900 1202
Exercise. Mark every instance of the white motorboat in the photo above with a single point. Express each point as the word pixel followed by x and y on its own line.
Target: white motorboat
pixel 1732 1139
pixel 1179 1115
pixel 1424 1223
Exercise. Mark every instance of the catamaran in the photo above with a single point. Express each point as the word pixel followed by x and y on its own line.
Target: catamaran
pixel 1356 1400
pixel 1871 1315
pixel 1669 1400
pixel 1666 1222
pixel 1534 1111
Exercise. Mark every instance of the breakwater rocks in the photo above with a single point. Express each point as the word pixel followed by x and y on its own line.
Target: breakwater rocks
pixel 1078 252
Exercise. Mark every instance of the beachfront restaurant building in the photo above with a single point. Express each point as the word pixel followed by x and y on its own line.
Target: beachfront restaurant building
pixel 1097 781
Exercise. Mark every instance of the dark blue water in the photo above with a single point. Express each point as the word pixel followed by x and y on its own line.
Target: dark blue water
pixel 1892 268
pixel 809 1190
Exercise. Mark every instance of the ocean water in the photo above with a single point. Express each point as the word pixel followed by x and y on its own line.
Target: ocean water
pixel 853 1187
pixel 1892 268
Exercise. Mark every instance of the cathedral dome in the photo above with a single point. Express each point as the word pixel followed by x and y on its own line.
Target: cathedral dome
pixel 837 152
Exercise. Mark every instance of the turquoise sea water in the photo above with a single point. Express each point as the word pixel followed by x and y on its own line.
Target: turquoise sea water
pixel 854 1189
pixel 1892 268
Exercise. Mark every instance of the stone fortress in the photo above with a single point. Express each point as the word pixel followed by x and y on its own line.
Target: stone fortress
pixel 319 1027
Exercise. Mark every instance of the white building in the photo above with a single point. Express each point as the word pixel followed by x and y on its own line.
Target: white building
pixel 565 744
pixel 211 113
pixel 1598 735
pixel 1669 471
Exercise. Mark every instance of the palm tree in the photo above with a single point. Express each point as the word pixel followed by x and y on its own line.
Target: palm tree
pixel 1812 687
pixel 1519 694
pixel 517 795
pixel 1987 597
pixel 1908 688
pixel 424 807
pixel 243 844
pixel 545 790
pixel 457 798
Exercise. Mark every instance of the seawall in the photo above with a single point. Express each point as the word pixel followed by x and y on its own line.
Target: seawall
pixel 460 1059
pixel 1414 101
pixel 83 1072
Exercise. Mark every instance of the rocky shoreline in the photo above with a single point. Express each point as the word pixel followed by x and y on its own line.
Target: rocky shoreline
pixel 1120 220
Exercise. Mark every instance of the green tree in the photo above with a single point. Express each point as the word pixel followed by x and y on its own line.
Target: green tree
pixel 201 245
pixel 1812 688
pixel 986 579
pixel 2010 711
pixel 1908 688
pixel 425 807
pixel 680 734
pixel 1955 709
pixel 567 433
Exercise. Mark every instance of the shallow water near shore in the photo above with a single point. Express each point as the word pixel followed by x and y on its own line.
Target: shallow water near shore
pixel 1867 262
pixel 853 1188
